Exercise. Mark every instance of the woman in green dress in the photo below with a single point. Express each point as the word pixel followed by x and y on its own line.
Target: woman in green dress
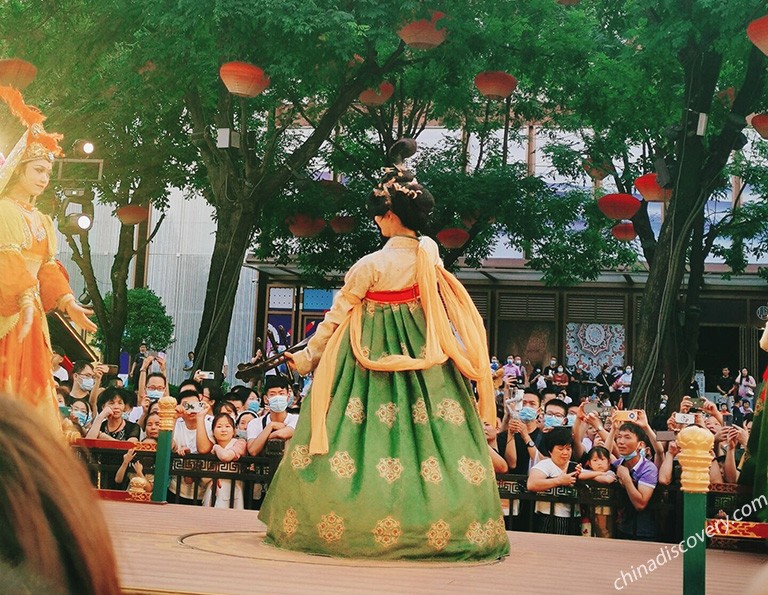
pixel 389 459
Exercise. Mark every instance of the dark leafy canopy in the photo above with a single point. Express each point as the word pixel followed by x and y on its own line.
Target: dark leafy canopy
pixel 565 235
pixel 147 322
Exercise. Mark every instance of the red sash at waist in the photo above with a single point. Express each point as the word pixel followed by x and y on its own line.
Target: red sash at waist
pixel 394 297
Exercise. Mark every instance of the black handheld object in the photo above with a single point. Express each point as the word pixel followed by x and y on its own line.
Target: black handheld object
pixel 247 371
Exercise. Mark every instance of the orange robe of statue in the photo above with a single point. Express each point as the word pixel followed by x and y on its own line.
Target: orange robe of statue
pixel 27 261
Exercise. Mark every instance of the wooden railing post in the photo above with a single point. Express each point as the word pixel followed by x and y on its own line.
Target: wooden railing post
pixel 163 456
pixel 695 459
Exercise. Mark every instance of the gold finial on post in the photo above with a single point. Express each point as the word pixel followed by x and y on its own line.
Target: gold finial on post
pixel 138 485
pixel 167 413
pixel 695 458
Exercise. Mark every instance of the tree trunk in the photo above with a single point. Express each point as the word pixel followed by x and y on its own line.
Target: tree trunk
pixel 658 310
pixel 233 237
pixel 118 314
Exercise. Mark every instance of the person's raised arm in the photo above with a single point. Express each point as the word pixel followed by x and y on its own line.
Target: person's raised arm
pixel 143 376
pixel 665 470
pixel 499 464
pixel 204 444
pixel 127 458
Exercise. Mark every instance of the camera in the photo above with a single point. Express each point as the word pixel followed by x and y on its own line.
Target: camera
pixel 698 402
pixel 630 415
pixel 207 375
pixel 686 419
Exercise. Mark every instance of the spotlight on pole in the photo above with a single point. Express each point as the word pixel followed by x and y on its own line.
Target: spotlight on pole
pixel 83 148
pixel 76 222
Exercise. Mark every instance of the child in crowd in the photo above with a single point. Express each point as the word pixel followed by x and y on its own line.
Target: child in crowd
pixel 227 447
pixel 242 421
pixel 152 429
pixel 80 414
pixel 599 470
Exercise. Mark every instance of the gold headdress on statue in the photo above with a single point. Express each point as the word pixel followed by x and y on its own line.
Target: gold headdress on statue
pixel 35 143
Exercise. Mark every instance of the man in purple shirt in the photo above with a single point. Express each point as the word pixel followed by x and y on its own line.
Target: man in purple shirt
pixel 638 476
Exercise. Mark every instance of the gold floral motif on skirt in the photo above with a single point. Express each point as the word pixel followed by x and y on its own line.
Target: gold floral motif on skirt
pixel 343 465
pixel 473 471
pixel 477 535
pixel 300 457
pixel 439 535
pixel 496 530
pixel 450 411
pixel 290 522
pixel 430 471
pixel 331 527
pixel 387 532
pixel 420 412
pixel 387 414
pixel 390 469
pixel 355 410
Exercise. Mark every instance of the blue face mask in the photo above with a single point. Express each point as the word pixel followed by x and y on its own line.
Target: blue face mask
pixel 278 403
pixel 87 383
pixel 527 414
pixel 241 434
pixel 571 419
pixel 494 366
pixel 629 456
pixel 550 421
pixel 254 406
pixel 82 418
pixel 154 395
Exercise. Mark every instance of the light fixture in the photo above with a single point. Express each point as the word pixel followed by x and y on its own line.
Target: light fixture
pixel 83 148
pixel 77 222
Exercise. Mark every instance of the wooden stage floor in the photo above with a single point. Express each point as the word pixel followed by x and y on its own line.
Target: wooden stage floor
pixel 183 549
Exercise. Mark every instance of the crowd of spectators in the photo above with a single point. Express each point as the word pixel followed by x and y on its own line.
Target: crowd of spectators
pixel 560 426
pixel 557 425
pixel 227 425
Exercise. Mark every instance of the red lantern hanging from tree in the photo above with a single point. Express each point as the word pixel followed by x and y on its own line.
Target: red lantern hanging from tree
pixel 132 214
pixel 376 97
pixel 597 171
pixel 304 226
pixel 453 237
pixel 17 73
pixel 495 85
pixel 343 224
pixel 648 186
pixel 757 31
pixel 760 123
pixel 423 34
pixel 624 231
pixel 243 79
pixel 618 206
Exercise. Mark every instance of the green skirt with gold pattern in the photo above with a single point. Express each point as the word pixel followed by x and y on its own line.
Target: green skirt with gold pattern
pixel 408 473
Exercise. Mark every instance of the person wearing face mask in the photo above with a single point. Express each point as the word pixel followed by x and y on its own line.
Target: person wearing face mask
pixel 624 383
pixel 278 424
pixel 638 476
pixel 83 384
pixel 521 452
pixel 550 370
pixel 560 379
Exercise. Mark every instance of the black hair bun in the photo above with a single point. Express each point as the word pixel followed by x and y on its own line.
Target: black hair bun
pixel 402 149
